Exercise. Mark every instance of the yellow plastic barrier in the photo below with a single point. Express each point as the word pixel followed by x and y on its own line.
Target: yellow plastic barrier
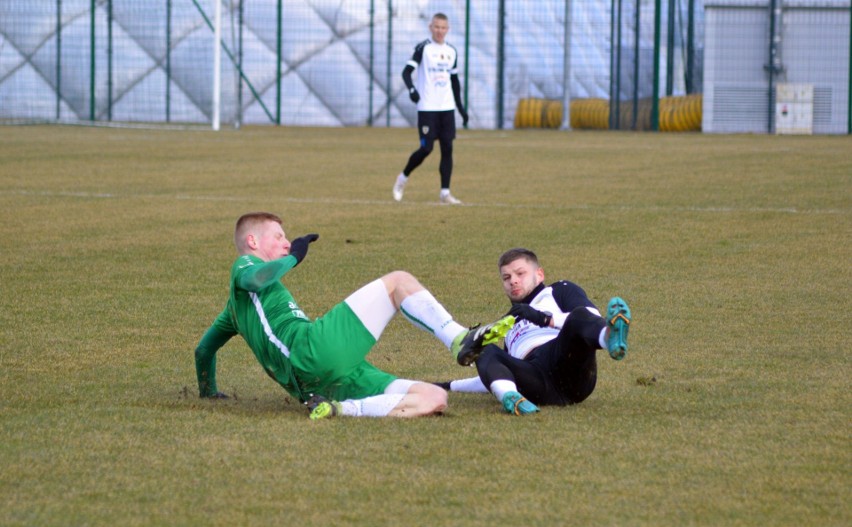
pixel 677 114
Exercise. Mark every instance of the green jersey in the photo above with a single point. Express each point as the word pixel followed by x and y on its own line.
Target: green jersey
pixel 324 357
pixel 265 314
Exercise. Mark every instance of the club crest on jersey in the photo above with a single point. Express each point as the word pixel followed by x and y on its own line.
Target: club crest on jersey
pixel 425 130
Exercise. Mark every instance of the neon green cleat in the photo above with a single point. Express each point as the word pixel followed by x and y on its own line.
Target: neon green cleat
pixel 618 322
pixel 516 404
pixel 321 408
pixel 468 345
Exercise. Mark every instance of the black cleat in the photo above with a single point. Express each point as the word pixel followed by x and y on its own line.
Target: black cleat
pixel 467 346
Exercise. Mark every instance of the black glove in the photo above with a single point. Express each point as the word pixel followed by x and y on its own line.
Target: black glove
pixel 415 97
pixel 527 312
pixel 299 246
pixel 463 114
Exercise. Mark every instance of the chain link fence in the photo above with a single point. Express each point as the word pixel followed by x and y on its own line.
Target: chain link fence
pixel 632 64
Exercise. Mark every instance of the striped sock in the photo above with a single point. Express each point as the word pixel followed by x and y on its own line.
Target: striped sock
pixel 425 312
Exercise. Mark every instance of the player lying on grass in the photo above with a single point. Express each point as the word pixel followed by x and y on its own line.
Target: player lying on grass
pixel 322 362
pixel 550 353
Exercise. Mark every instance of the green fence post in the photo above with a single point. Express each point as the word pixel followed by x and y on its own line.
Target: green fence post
pixel 92 62
pixel 388 63
pixel 466 53
pixel 655 98
pixel 690 48
pixel 611 59
pixel 168 61
pixel 501 59
pixel 637 13
pixel 771 67
pixel 240 25
pixel 109 60
pixel 566 67
pixel 615 93
pixel 58 58
pixel 278 67
pixel 670 42
pixel 372 60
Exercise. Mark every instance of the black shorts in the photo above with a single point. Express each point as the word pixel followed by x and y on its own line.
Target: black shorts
pixel 436 125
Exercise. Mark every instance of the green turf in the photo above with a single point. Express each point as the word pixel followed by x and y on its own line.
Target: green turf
pixel 733 406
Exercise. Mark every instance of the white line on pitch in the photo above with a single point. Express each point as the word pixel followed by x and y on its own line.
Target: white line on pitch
pixel 334 201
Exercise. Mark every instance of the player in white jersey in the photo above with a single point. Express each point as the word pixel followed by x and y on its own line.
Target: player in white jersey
pixel 437 93
pixel 550 353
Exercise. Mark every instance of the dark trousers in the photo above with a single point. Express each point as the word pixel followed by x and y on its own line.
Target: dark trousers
pixel 432 126
pixel 560 372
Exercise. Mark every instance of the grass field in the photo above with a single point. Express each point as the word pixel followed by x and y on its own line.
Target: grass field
pixel 732 408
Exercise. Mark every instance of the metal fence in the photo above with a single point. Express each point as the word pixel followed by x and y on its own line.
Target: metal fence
pixel 338 63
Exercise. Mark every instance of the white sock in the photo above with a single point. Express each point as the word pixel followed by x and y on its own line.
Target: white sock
pixel 602 339
pixel 445 192
pixel 425 312
pixel 472 385
pixel 401 179
pixel 501 387
pixel 375 406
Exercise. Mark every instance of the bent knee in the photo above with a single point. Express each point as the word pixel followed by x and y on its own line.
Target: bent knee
pixel 432 399
pixel 401 284
pixel 440 400
pixel 397 277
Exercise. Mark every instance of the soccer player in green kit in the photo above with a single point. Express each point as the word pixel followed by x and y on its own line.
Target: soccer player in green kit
pixel 322 362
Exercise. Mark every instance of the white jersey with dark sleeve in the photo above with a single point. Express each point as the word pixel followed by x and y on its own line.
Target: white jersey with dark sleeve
pixel 435 63
pixel 558 299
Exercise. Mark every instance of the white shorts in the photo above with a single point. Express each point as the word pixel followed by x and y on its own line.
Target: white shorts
pixel 372 305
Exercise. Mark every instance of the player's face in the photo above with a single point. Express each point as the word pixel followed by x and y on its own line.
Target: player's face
pixel 271 241
pixel 439 29
pixel 520 277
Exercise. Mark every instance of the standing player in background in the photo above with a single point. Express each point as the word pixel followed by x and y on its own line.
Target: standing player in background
pixel 437 93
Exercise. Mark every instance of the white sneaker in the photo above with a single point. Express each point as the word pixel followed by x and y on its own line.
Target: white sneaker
pixel 398 187
pixel 449 199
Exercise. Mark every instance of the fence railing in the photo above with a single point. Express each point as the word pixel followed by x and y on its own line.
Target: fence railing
pixel 304 62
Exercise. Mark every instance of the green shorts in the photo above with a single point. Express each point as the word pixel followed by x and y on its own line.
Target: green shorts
pixel 334 364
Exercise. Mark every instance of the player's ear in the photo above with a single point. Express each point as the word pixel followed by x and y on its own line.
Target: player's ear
pixel 251 242
pixel 539 274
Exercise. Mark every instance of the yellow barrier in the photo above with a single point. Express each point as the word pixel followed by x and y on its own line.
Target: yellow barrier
pixel 677 114
pixel 681 114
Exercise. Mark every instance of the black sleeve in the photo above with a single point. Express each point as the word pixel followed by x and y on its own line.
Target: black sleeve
pixel 570 296
pixel 454 81
pixel 410 66
pixel 406 76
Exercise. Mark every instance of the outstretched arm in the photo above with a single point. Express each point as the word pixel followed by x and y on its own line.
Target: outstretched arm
pixel 205 354
pixel 256 276
pixel 260 276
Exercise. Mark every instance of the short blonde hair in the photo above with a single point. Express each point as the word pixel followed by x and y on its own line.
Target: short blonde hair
pixel 249 222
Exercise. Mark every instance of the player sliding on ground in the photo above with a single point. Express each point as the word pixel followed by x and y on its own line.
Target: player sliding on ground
pixel 322 362
pixel 550 355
